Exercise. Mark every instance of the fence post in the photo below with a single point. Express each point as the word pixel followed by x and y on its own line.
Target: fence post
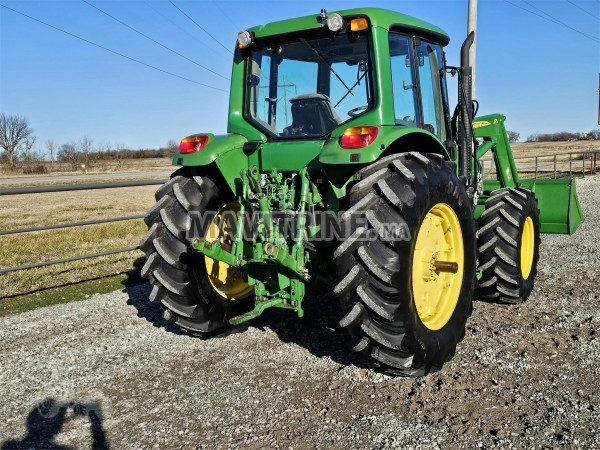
pixel 555 166
pixel 536 167
pixel 570 165
pixel 583 165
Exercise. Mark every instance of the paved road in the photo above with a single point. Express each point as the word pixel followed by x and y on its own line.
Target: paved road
pixel 89 177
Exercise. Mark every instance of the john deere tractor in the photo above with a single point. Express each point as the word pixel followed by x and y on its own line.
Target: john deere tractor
pixel 345 169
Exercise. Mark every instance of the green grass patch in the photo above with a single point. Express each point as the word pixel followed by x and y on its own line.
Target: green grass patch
pixel 72 292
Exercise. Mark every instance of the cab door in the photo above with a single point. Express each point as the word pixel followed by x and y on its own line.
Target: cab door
pixel 432 88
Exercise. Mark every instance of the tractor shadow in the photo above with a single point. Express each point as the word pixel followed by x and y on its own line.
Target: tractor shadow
pixel 318 331
pixel 138 291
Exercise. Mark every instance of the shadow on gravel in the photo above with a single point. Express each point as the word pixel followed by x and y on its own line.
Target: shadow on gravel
pixel 138 298
pixel 138 291
pixel 45 422
pixel 317 331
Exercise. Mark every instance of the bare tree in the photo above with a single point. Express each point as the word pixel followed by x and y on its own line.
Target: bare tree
pixel 51 147
pixel 13 131
pixel 513 136
pixel 27 145
pixel 68 153
pixel 172 147
pixel 85 145
pixel 594 134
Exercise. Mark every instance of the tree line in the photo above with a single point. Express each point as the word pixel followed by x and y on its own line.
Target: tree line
pixel 17 142
pixel 563 136
pixel 84 151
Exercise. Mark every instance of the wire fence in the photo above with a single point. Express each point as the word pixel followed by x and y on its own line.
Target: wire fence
pixel 67 188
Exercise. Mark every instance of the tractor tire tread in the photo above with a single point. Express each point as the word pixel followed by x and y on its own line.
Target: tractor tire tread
pixel 499 241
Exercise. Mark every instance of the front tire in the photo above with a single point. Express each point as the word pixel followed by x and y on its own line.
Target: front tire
pixel 194 290
pixel 509 242
pixel 402 316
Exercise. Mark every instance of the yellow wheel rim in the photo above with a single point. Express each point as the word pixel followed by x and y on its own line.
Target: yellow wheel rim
pixel 438 253
pixel 527 246
pixel 226 280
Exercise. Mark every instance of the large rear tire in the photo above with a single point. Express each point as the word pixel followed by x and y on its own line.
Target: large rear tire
pixel 197 293
pixel 509 242
pixel 402 316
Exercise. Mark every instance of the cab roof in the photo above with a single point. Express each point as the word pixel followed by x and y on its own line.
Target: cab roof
pixel 378 17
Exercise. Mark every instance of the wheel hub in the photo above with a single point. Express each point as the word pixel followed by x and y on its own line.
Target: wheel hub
pixel 437 266
pixel 226 280
pixel 527 248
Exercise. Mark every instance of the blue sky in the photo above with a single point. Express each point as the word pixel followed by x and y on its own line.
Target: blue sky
pixel 541 75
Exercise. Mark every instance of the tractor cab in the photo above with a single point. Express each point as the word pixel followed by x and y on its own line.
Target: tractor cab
pixel 305 85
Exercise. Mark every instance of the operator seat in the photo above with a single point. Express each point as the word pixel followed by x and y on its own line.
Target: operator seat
pixel 312 114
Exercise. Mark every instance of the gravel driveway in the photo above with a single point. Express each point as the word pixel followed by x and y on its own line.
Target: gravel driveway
pixel 108 371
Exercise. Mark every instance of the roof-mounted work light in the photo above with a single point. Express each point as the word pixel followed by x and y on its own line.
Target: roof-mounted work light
pixel 244 39
pixel 334 21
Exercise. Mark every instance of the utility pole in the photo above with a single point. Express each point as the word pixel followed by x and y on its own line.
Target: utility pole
pixel 472 26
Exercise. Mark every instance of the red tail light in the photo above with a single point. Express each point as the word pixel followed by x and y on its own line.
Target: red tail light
pixel 193 143
pixel 358 137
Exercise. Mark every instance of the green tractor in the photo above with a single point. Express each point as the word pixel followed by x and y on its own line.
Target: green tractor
pixel 345 169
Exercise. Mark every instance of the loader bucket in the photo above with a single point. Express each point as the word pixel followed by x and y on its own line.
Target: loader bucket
pixel 559 206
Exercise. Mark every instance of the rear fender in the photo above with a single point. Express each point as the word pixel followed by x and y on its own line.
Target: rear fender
pixel 390 139
pixel 341 164
pixel 225 151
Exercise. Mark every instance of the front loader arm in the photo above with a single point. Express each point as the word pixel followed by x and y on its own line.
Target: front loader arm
pixel 491 129
pixel 557 200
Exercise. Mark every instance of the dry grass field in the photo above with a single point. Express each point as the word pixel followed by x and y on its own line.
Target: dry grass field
pixel 21 211
pixel 548 155
pixel 545 148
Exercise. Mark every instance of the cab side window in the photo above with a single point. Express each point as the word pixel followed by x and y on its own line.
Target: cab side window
pixel 403 80
pixel 430 80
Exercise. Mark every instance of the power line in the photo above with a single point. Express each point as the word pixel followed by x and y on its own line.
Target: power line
pixel 149 5
pixel 199 26
pixel 554 19
pixel 154 40
pixel 111 51
pixel 227 16
pixel 216 3
pixel 551 19
pixel 584 10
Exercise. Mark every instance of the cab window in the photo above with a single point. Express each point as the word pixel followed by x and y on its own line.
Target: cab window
pixel 431 66
pixel 403 80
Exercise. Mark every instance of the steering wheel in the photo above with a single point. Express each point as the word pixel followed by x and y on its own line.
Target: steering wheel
pixel 354 111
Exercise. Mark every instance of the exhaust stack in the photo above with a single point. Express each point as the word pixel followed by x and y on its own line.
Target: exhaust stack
pixel 466 101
